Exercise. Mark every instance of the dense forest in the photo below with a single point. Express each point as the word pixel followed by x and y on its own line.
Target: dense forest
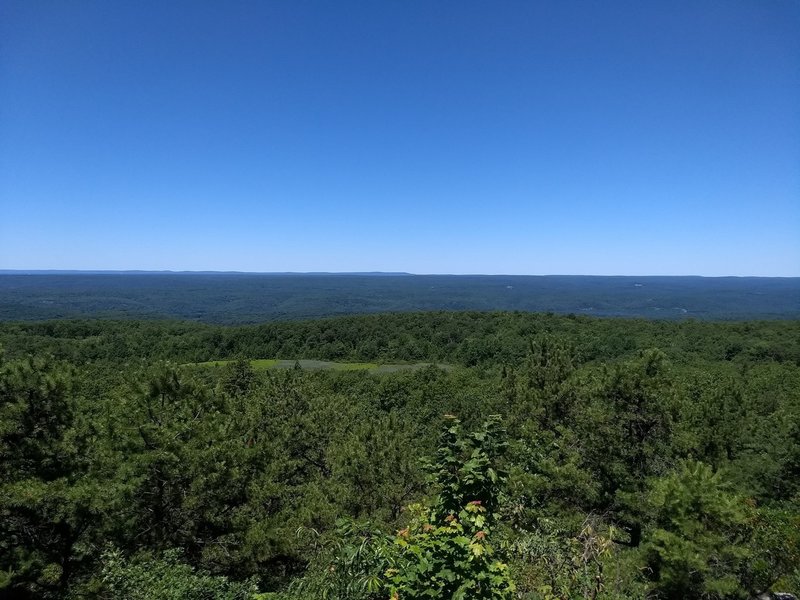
pixel 536 456
pixel 238 298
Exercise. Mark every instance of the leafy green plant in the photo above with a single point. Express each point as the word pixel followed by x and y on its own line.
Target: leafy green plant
pixel 447 551
pixel 166 577
pixel 350 564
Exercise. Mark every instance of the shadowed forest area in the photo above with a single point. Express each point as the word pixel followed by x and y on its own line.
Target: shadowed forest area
pixel 233 298
pixel 555 457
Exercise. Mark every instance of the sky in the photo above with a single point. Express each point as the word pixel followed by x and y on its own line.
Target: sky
pixel 547 137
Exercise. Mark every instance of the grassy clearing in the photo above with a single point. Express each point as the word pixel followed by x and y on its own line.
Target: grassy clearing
pixel 262 364
pixel 258 364
pixel 353 366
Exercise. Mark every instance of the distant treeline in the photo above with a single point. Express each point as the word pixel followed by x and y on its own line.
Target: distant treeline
pixel 251 298
pixel 465 338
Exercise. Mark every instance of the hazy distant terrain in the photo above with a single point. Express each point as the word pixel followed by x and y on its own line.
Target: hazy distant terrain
pixel 245 298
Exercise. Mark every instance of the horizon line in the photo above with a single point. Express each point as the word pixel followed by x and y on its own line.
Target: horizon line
pixel 363 273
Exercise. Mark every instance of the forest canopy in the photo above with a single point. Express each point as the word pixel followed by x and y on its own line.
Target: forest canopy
pixel 502 455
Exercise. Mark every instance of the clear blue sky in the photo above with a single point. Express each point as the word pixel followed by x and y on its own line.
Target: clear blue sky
pixel 642 137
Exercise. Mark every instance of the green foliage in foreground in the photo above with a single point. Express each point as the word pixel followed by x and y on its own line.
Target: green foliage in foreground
pixel 669 469
pixel 697 547
pixel 166 578
pixel 446 550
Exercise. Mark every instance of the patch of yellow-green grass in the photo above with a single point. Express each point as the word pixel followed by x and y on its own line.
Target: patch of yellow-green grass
pixel 353 366
pixel 264 363
pixel 258 364
pixel 208 363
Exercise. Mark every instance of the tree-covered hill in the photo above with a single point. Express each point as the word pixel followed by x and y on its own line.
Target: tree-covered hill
pixel 252 298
